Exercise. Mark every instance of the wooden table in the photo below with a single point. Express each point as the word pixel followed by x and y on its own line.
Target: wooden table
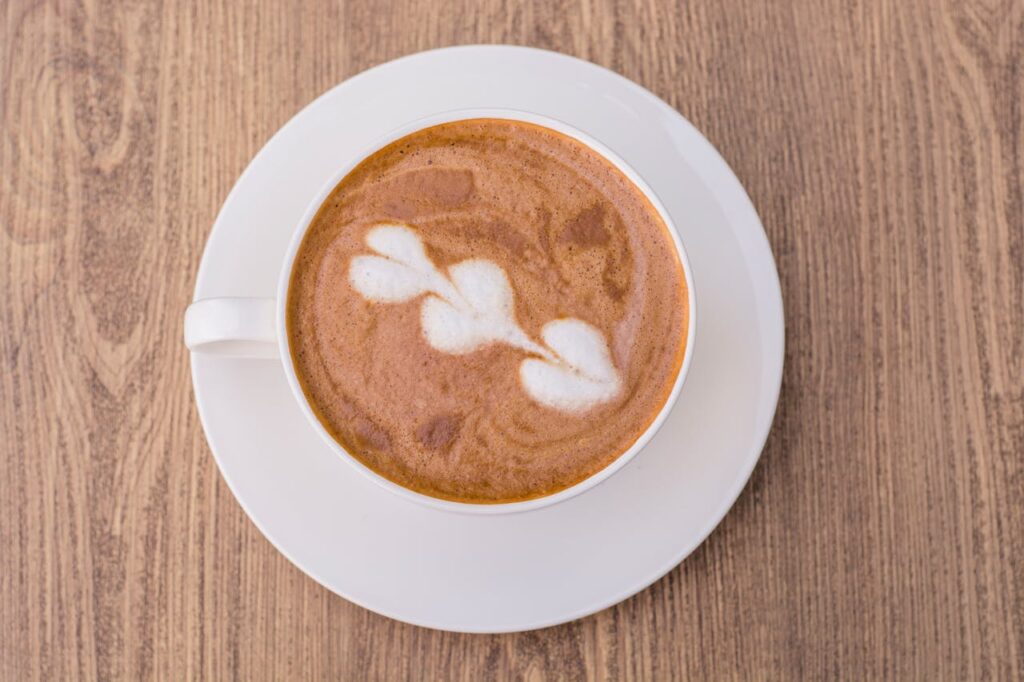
pixel 882 535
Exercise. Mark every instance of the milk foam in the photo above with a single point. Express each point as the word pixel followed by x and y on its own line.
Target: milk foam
pixel 584 377
pixel 473 306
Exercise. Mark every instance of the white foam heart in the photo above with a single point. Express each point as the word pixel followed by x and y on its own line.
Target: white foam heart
pixel 484 286
pixel 581 377
pixel 383 280
pixel 399 243
pixel 451 330
pixel 478 309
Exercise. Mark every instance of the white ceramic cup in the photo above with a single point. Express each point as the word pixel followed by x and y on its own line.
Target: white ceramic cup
pixel 255 327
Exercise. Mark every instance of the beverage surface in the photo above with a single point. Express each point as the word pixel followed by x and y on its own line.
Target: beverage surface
pixel 487 311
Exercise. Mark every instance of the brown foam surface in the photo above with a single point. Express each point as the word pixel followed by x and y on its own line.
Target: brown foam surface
pixel 576 239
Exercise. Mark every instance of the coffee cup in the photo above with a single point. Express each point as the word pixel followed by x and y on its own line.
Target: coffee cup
pixel 256 328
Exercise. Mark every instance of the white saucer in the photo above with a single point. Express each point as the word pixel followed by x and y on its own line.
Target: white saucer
pixel 530 570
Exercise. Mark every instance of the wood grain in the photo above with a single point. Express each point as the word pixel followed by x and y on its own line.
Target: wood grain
pixel 882 535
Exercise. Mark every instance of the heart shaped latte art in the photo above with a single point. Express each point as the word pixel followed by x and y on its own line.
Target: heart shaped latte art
pixel 582 376
pixel 473 306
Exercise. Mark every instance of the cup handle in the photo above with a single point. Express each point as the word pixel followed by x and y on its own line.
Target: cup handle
pixel 232 327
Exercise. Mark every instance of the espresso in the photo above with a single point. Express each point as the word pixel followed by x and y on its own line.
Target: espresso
pixel 487 311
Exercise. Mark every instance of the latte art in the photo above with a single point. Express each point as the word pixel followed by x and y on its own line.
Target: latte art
pixel 473 307
pixel 486 311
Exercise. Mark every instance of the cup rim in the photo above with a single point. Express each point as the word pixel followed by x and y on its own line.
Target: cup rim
pixel 483 508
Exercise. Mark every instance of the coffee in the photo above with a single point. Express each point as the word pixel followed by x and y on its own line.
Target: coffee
pixel 487 311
